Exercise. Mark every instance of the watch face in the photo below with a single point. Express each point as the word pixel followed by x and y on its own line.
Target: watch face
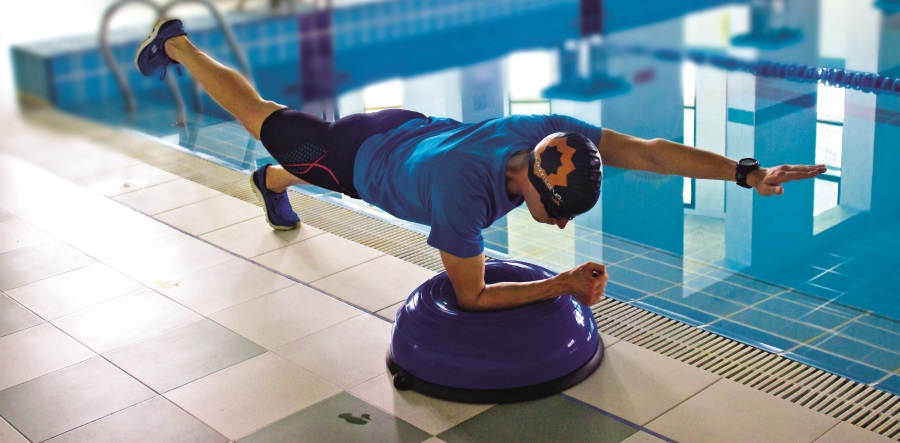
pixel 747 162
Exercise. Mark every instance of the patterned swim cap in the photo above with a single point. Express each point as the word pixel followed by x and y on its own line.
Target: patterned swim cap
pixel 566 172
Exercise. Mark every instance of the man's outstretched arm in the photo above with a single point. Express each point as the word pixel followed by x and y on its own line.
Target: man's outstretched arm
pixel 667 157
pixel 586 282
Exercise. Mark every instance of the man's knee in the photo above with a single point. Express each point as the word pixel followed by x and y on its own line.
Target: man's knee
pixel 253 124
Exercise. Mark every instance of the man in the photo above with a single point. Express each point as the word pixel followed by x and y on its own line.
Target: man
pixel 457 178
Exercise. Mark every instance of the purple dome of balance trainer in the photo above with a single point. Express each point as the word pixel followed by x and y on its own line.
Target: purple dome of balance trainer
pixel 498 356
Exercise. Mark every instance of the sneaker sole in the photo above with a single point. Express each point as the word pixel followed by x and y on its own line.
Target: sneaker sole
pixel 147 42
pixel 266 211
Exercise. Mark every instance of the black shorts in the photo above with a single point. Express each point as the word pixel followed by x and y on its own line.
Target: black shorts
pixel 322 153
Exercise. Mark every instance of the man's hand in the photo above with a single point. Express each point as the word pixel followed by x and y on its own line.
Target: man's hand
pixel 587 282
pixel 768 181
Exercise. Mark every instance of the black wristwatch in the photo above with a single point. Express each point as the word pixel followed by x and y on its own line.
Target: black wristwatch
pixel 744 167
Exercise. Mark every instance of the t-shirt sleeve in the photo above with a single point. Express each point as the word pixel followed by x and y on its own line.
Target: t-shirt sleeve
pixel 564 123
pixel 458 216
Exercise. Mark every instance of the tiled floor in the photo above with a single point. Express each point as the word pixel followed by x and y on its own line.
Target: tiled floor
pixel 129 313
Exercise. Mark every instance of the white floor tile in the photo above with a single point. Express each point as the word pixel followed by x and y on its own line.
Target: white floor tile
pixel 640 385
pixel 167 196
pixel 92 160
pixel 318 257
pixel 104 230
pixel 728 411
pixel 346 354
pixel 166 262
pixel 9 435
pixel 376 284
pixel 283 316
pixel 125 180
pixel 73 291
pixel 125 320
pixel 643 437
pixel 255 237
pixel 15 233
pixel 250 395
pixel 845 432
pixel 429 414
pixel 224 285
pixel 209 215
pixel 390 313
pixel 37 351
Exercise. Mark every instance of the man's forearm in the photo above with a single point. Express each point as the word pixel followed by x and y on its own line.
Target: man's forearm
pixel 512 294
pixel 678 159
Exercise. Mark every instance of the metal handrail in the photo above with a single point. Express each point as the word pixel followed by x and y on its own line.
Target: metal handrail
pixel 181 119
pixel 226 29
pixel 162 11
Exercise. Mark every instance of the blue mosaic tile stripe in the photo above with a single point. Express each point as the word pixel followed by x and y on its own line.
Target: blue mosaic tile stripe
pixel 699 300
pixel 775 324
pixel 636 280
pixel 750 335
pixel 836 364
pixel 660 270
pixel 725 290
pixel 678 311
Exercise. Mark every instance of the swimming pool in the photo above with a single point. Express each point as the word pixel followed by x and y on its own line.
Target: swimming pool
pixel 808 275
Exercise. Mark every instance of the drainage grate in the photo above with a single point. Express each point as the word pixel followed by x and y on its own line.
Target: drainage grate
pixel 838 397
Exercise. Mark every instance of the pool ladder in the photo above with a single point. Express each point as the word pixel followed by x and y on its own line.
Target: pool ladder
pixel 162 11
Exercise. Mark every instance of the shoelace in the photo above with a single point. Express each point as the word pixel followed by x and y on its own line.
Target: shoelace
pixel 283 210
pixel 163 75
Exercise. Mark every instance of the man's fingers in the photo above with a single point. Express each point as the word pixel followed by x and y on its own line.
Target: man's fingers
pixel 788 173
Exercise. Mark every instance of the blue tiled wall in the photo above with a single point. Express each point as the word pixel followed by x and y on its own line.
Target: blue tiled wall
pixel 71 74
pixel 67 76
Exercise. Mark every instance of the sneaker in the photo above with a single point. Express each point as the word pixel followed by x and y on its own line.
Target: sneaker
pixel 278 209
pixel 151 56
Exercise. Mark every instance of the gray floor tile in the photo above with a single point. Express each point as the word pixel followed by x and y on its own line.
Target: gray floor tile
pixel 154 420
pixel 33 263
pixel 64 400
pixel 342 418
pixel 183 355
pixel 14 317
pixel 551 419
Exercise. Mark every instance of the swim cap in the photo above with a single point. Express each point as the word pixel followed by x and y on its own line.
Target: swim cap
pixel 566 171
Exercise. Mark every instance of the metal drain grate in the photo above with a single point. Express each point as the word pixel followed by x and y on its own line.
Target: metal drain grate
pixel 838 397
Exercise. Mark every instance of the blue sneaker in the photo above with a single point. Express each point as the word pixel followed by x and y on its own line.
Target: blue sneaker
pixel 151 55
pixel 278 209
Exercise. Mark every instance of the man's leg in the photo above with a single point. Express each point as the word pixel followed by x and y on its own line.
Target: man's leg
pixel 225 85
pixel 233 93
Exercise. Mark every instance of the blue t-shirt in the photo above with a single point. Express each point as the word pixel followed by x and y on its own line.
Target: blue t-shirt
pixel 452 176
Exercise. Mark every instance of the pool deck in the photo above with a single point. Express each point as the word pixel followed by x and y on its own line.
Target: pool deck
pixel 129 312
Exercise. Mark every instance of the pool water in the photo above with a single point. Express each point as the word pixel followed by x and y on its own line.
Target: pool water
pixel 810 275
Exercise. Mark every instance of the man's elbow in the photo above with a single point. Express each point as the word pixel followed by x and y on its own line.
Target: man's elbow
pixel 468 301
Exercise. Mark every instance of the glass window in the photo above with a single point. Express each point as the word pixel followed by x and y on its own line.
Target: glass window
pixel 829 146
pixel 527 76
pixel 383 95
